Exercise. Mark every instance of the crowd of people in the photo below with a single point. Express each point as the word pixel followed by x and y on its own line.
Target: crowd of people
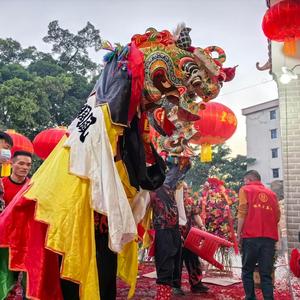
pixel 257 229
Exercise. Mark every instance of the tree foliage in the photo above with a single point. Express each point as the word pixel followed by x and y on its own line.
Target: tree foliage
pixel 229 169
pixel 40 90
pixel 72 49
pixel 11 52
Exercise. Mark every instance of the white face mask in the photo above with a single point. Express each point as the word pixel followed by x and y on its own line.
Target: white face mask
pixel 5 155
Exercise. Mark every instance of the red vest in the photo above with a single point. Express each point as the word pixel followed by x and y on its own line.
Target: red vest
pixel 263 212
pixel 11 188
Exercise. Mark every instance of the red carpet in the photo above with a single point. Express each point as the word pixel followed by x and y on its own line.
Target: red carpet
pixel 146 288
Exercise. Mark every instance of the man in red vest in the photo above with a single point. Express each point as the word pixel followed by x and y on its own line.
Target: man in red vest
pixel 258 218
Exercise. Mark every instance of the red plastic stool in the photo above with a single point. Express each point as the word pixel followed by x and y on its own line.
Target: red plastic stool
pixel 205 245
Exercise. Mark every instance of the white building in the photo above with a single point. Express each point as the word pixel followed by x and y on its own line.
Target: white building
pixel 264 139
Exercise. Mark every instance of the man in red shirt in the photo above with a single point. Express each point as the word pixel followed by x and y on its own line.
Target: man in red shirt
pixel 258 217
pixel 21 165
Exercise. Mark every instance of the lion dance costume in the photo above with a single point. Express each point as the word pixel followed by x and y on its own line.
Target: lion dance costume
pixel 48 230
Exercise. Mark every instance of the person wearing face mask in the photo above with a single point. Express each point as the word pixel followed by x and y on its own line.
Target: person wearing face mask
pixel 6 144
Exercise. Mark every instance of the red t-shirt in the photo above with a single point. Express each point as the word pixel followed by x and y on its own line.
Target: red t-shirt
pixel 11 188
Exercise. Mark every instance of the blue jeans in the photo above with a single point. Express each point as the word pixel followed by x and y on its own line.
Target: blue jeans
pixel 261 251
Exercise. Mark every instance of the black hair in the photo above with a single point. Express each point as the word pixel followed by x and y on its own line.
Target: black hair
pixel 24 153
pixel 253 175
pixel 7 138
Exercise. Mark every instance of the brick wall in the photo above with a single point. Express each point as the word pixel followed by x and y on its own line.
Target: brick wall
pixel 289 103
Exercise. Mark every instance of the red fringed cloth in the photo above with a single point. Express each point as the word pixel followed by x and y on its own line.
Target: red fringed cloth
pixel 25 239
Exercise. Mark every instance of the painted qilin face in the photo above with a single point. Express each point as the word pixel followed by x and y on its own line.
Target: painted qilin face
pixel 174 68
pixel 159 68
pixel 203 77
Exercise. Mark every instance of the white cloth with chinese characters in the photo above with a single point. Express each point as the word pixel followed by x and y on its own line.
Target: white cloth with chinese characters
pixel 91 157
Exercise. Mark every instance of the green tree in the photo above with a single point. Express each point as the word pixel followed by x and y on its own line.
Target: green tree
pixel 11 51
pixel 30 106
pixel 14 70
pixel 19 101
pixel 45 66
pixel 71 48
pixel 75 98
pixel 229 169
pixel 40 90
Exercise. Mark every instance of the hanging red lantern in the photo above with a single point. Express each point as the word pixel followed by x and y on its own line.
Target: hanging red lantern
pixel 216 125
pixel 21 142
pixel 46 140
pixel 281 23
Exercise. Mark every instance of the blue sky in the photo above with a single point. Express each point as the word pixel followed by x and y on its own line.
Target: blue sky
pixel 234 25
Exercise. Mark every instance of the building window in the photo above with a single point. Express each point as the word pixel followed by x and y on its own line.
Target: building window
pixel 273 133
pixel 275 173
pixel 274 152
pixel 272 114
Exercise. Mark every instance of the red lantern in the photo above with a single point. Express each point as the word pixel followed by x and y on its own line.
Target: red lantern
pixel 46 140
pixel 281 23
pixel 21 142
pixel 217 124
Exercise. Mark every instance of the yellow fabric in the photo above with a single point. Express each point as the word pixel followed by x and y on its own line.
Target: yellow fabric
pixel 129 189
pixel 128 257
pixel 5 170
pixel 146 223
pixel 128 266
pixel 58 193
